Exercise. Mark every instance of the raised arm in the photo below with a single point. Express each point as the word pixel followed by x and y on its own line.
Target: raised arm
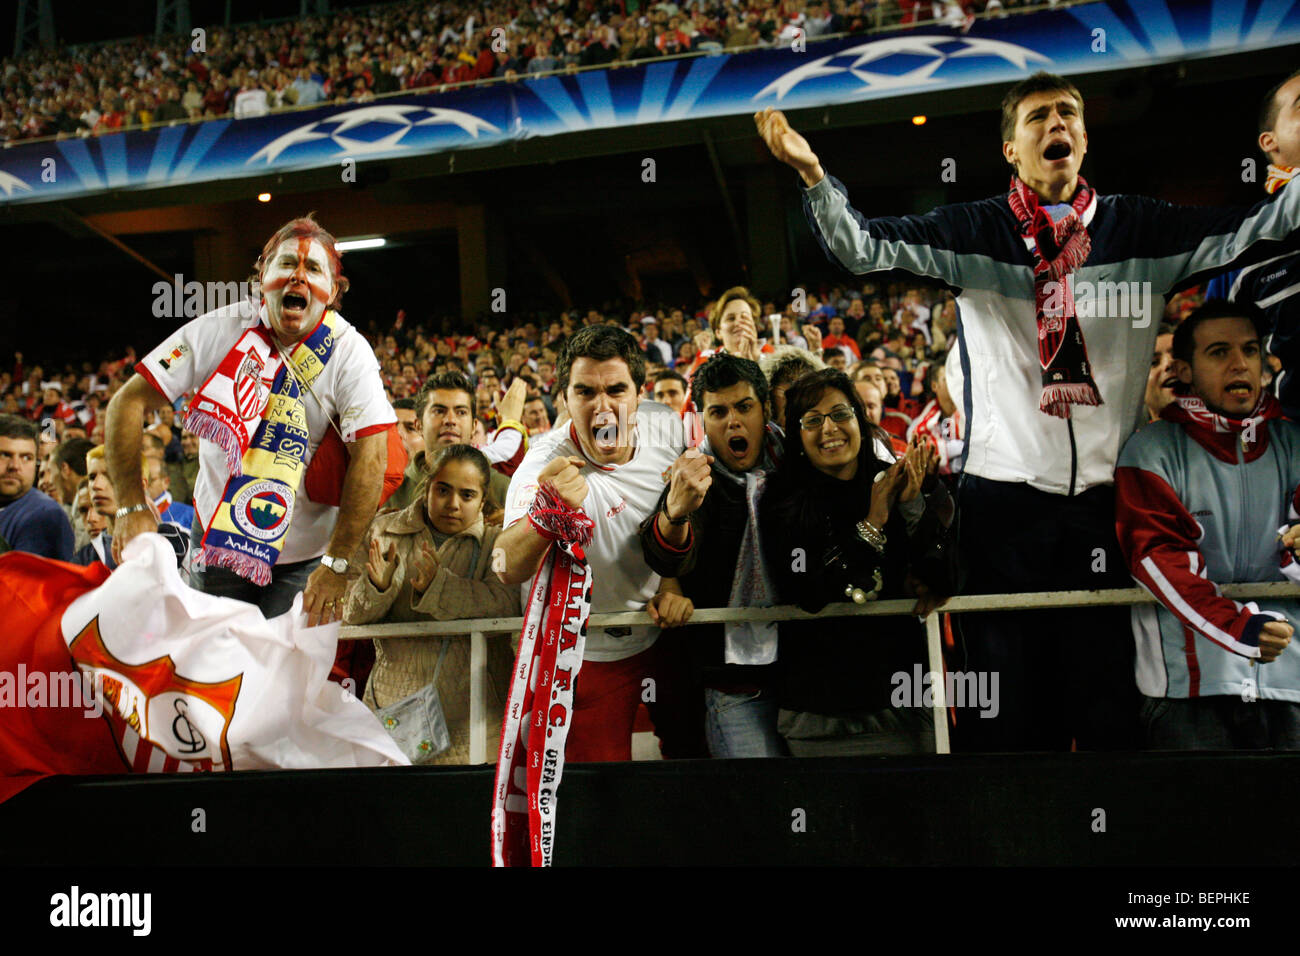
pixel 923 245
pixel 123 437
pixel 521 543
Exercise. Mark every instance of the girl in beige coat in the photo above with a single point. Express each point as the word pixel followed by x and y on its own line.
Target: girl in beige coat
pixel 433 560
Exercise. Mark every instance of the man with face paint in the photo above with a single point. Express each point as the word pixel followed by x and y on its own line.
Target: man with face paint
pixel 271 382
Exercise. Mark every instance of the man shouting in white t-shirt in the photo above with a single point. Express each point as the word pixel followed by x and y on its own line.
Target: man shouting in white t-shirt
pixel 270 384
pixel 611 463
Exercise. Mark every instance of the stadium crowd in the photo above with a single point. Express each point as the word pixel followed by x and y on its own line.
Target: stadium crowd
pixel 354 56
pixel 459 396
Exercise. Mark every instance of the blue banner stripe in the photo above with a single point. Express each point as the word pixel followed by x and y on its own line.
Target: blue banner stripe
pixel 595 93
pixel 1267 20
pixel 204 139
pixel 1119 39
pixel 77 153
pixel 160 163
pixel 551 91
pixel 654 92
pixel 113 154
pixel 1225 22
pixel 700 76
pixel 1158 23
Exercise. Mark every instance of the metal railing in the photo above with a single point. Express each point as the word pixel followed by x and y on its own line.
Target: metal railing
pixel 479 628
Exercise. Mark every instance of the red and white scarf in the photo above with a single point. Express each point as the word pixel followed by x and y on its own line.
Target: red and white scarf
pixel 1059 248
pixel 1279 176
pixel 536 723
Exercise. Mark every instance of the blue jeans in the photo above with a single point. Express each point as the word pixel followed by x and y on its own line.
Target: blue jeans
pixel 742 725
pixel 273 600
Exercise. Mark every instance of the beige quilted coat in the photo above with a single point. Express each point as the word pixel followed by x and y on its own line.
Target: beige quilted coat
pixel 404 665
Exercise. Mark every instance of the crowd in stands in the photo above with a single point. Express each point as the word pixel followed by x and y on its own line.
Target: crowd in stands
pixel 455 397
pixel 354 56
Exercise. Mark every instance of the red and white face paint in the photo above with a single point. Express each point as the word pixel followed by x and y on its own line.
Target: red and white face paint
pixel 297 286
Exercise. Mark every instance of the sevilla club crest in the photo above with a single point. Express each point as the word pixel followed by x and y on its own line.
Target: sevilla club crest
pixel 250 393
pixel 161 721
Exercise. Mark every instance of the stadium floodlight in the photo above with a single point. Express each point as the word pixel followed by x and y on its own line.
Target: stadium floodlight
pixel 349 245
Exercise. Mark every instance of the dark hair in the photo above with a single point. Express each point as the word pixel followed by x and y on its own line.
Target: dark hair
pixel 1185 335
pixel 11 426
pixel 670 376
pixel 936 369
pixel 723 371
pixel 448 381
pixel 435 460
pixel 1268 108
pixel 789 369
pixel 72 452
pixel 807 392
pixel 601 342
pixel 1040 82
pixel 404 404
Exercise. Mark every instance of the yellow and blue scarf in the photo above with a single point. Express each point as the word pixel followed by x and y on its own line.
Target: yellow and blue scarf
pixel 252 406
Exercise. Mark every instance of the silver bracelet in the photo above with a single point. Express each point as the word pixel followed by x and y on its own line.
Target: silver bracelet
pixel 871 535
pixel 123 512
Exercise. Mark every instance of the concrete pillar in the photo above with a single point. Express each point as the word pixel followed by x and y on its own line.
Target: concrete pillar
pixel 482 246
pixel 220 256
pixel 766 234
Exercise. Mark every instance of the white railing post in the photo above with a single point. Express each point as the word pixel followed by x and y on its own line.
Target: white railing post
pixel 937 683
pixel 477 691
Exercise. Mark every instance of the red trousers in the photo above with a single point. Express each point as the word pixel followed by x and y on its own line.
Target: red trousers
pixel 605 698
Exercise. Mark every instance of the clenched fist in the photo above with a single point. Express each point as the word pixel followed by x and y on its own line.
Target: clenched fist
pixel 1273 640
pixel 688 483
pixel 564 476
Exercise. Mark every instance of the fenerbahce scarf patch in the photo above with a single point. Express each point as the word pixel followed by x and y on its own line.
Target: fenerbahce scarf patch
pixel 252 407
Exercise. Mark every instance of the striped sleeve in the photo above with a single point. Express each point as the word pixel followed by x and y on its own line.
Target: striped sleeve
pixel 923 245
pixel 1158 538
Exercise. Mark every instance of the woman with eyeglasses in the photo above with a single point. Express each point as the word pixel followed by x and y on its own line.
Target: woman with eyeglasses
pixel 842 521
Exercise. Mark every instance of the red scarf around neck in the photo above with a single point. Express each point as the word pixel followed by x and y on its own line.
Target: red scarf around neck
pixel 1058 248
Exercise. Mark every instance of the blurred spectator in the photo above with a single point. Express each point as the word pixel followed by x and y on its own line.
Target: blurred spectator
pixel 1161 380
pixel 30 520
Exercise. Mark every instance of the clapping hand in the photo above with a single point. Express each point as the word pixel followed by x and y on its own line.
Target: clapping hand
pixel 424 567
pixel 920 460
pixel 380 566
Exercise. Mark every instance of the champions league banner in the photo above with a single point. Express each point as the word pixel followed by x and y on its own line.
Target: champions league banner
pixel 1082 39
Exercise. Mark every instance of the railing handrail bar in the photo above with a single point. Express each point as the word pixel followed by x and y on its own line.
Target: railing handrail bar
pixel 1283 590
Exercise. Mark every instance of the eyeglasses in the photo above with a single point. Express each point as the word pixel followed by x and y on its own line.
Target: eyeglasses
pixel 813 420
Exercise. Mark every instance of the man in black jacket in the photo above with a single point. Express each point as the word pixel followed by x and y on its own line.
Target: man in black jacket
pixel 705 535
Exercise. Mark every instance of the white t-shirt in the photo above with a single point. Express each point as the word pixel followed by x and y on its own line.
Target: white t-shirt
pixel 619 498
pixel 349 387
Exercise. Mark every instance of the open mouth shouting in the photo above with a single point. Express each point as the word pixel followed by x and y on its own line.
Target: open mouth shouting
pixel 294 304
pixel 1058 150
pixel 605 435
pixel 739 445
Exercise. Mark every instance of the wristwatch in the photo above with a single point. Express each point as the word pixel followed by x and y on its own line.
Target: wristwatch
pixel 337 565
